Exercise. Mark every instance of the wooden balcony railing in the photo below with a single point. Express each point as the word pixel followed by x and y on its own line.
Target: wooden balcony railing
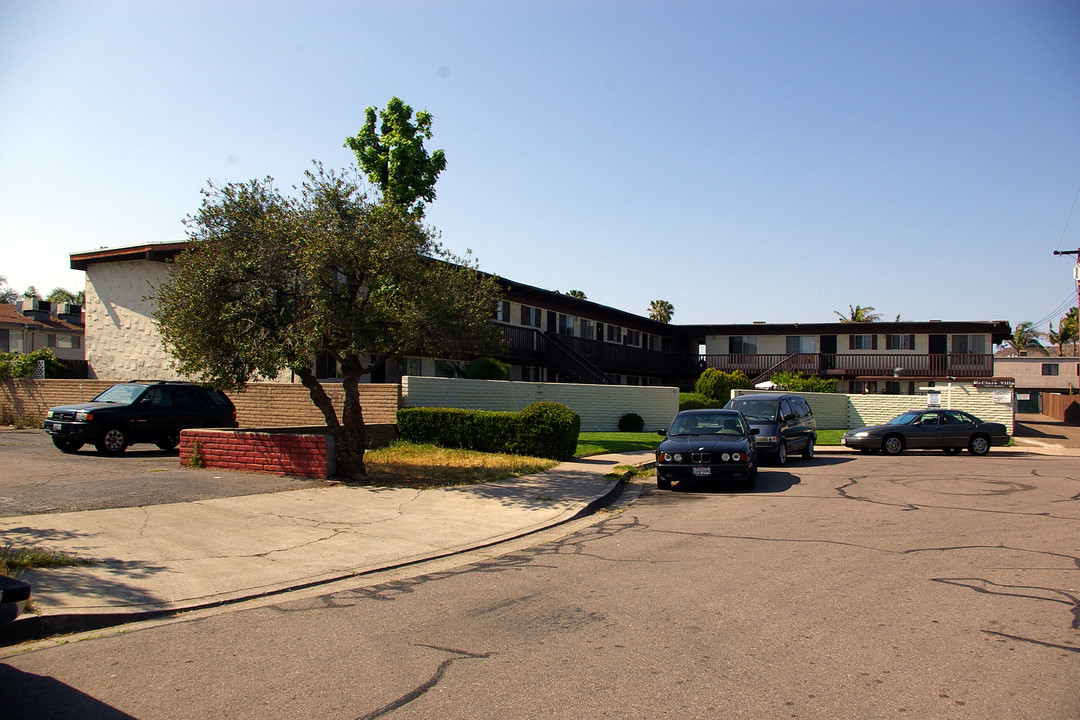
pixel 960 365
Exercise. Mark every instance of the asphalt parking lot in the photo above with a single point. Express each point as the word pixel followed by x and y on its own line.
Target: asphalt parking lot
pixel 35 478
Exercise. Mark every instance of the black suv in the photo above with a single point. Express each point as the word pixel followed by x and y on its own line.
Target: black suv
pixel 139 411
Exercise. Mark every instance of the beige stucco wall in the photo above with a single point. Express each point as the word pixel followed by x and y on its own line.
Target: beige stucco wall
pixel 600 406
pixel 1027 372
pixel 122 342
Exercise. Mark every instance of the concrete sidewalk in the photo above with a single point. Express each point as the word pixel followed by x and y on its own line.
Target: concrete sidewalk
pixel 166 558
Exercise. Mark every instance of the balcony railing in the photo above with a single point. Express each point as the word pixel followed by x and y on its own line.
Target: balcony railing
pixel 858 364
pixel 527 345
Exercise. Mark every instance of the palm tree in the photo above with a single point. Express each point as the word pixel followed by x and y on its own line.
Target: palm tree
pixel 8 295
pixel 1024 337
pixel 858 313
pixel 1066 332
pixel 577 294
pixel 661 311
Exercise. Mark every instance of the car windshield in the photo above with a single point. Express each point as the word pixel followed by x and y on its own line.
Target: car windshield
pixel 707 424
pixel 755 409
pixel 905 419
pixel 120 394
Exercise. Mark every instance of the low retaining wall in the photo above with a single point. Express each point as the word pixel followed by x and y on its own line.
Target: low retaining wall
pixel 300 452
pixel 278 453
pixel 600 406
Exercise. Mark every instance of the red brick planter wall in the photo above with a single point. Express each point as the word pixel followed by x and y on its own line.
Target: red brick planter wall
pixel 300 455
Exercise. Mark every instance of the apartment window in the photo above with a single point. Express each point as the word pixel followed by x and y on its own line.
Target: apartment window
pixel 862 342
pixel 5 340
pixel 414 366
pixel 969 344
pixel 742 345
pixel 50 341
pixel 800 344
pixel 633 337
pixel 502 312
pixel 614 333
pixel 899 342
pixel 656 343
pixel 532 374
pixel 566 324
pixel 586 329
pixel 1050 368
pixel 530 316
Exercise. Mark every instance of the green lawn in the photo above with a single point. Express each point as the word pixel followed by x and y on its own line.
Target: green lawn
pixel 601 443
pixel 829 437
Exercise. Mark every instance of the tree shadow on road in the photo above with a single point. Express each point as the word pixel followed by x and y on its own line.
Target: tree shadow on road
pixel 38 696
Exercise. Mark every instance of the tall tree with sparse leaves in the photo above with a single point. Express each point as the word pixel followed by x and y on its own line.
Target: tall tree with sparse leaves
pixel 390 150
pixel 661 310
pixel 270 282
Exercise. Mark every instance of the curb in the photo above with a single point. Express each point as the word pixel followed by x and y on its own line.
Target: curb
pixel 37 627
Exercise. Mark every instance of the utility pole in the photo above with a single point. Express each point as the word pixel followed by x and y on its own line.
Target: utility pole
pixel 1076 277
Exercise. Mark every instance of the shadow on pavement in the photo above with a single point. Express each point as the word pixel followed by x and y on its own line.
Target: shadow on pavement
pixel 39 696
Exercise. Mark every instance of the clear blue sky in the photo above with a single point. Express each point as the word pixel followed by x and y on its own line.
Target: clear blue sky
pixel 746 161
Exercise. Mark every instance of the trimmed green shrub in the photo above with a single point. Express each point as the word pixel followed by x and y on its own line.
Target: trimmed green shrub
pixel 631 422
pixel 796 382
pixel 717 385
pixel 696 401
pixel 542 429
pixel 21 365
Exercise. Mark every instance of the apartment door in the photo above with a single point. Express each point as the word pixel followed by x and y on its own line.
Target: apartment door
pixel 939 348
pixel 828 353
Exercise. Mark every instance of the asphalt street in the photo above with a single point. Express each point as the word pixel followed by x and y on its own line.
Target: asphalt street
pixel 853 586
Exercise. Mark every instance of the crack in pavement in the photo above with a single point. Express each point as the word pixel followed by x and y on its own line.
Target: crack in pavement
pixel 429 684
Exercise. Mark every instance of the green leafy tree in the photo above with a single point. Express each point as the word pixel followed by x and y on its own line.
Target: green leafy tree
pixel 661 310
pixel 858 313
pixel 31 293
pixel 577 294
pixel 717 384
pixel 1025 337
pixel 60 295
pixel 390 150
pixel 271 282
pixel 8 294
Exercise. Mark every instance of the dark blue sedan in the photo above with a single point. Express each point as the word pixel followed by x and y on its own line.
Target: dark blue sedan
pixel 707 444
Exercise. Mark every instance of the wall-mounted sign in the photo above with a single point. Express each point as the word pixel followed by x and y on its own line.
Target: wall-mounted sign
pixel 1003 397
pixel 994 383
pixel 933 399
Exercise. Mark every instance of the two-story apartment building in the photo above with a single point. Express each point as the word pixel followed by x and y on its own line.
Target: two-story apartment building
pixel 551 337
pixel 36 324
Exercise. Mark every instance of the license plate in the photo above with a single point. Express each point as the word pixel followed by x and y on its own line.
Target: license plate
pixel 701 471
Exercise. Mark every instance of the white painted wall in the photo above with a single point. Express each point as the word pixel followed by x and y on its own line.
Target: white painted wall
pixel 600 406
pixel 122 342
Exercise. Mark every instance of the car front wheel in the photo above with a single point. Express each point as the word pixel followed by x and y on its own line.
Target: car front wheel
pixel 893 445
pixel 68 446
pixel 113 441
pixel 979 445
pixel 781 453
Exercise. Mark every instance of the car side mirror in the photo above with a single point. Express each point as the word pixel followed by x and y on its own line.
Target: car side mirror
pixel 662 432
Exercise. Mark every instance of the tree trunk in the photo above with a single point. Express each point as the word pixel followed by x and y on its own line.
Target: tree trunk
pixel 350 437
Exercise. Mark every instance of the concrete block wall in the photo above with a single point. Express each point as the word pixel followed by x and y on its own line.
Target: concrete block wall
pixel 838 411
pixel 298 455
pixel 830 409
pixel 600 406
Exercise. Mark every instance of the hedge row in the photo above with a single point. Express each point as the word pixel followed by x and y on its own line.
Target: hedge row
pixel 544 429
